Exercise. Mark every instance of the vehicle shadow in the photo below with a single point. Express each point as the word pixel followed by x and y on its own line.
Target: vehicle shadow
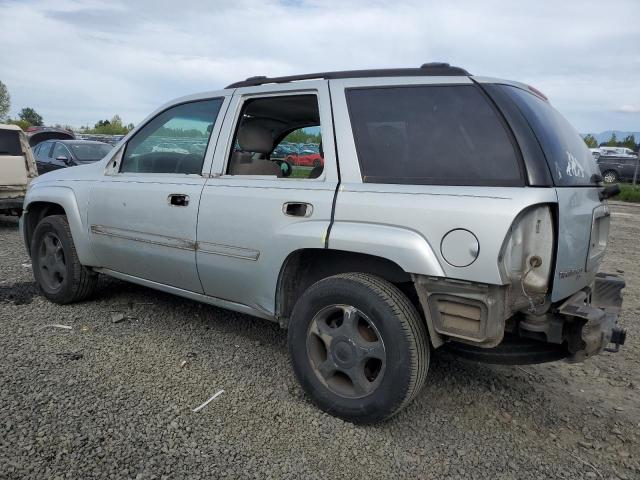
pixel 8 223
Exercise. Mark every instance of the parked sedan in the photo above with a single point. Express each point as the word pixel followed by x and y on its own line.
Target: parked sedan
pixel 54 154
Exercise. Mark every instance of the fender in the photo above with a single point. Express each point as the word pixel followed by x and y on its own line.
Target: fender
pixel 66 198
pixel 405 247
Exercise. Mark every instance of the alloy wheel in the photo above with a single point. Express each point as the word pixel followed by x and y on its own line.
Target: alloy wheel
pixel 346 351
pixel 51 261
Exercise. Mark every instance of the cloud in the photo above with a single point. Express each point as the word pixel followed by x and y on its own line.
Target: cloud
pixel 77 61
pixel 628 109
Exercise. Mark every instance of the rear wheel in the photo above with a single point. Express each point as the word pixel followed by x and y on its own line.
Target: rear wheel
pixel 610 176
pixel 56 267
pixel 358 347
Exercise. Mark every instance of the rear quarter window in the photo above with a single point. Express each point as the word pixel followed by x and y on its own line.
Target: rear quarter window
pixel 570 160
pixel 436 134
pixel 10 143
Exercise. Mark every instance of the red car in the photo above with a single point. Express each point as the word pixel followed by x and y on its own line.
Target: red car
pixel 305 160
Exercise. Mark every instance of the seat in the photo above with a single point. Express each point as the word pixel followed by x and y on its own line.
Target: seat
pixel 253 138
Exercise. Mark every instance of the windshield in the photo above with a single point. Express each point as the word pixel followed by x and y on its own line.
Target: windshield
pixel 90 152
pixel 569 159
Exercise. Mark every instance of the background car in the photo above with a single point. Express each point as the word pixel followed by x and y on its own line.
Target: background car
pixel 54 154
pixel 617 168
pixel 17 168
pixel 617 152
pixel 169 147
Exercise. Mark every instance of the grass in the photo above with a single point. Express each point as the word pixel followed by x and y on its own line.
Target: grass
pixel 300 172
pixel 628 193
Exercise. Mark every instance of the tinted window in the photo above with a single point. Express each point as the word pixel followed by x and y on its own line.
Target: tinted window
pixel 10 142
pixel 175 141
pixel 570 160
pixel 90 152
pixel 441 135
pixel 45 150
pixel 60 151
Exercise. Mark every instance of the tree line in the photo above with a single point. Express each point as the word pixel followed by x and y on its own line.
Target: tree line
pixel 629 141
pixel 28 117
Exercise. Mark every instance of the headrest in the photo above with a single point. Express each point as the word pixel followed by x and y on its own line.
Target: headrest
pixel 253 137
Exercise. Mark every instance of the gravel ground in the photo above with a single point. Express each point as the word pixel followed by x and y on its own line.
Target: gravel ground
pixel 114 400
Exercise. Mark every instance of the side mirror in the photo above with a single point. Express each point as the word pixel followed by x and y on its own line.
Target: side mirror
pixel 65 159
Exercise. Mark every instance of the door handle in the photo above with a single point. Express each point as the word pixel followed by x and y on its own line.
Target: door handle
pixel 178 200
pixel 297 209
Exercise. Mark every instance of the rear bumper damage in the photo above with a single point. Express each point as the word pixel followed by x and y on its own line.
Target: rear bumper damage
pixel 478 321
pixel 592 315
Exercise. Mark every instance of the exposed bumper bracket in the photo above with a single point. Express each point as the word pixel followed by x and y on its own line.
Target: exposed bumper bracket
pixel 598 317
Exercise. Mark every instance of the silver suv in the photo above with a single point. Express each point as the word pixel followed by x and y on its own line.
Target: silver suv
pixel 422 208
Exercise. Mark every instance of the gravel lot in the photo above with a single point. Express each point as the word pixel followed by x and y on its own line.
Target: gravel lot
pixel 111 400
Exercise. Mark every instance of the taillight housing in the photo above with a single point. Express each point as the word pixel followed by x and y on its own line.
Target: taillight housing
pixel 527 255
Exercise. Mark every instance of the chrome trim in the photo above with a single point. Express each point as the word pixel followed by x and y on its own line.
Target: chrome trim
pixel 228 251
pixel 180 243
pixel 144 237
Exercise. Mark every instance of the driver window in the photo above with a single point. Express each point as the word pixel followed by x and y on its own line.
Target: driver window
pixel 278 136
pixel 175 141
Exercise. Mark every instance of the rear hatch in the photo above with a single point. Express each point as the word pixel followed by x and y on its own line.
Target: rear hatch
pixel 48 133
pixel 583 219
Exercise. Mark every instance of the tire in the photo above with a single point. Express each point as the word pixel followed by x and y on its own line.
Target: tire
pixel 386 349
pixel 610 176
pixel 56 267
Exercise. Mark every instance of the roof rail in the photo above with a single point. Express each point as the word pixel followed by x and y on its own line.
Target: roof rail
pixel 426 69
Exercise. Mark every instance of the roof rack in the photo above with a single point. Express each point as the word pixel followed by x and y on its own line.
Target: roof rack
pixel 427 69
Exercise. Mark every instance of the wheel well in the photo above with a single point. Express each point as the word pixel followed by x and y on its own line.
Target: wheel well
pixel 303 268
pixel 36 212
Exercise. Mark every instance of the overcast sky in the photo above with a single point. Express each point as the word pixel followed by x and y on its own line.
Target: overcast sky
pixel 77 61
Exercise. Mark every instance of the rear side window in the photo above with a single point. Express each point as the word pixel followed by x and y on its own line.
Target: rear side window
pixel 437 135
pixel 10 143
pixel 569 159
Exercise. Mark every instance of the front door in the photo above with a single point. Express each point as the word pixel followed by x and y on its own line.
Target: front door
pixel 271 191
pixel 142 216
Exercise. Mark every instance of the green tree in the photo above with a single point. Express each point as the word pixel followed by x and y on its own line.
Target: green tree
pixel 591 141
pixel 629 142
pixel 23 124
pixel 613 141
pixel 115 126
pixel 302 136
pixel 5 101
pixel 28 114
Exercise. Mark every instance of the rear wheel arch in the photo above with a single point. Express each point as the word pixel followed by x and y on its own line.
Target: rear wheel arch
pixel 303 268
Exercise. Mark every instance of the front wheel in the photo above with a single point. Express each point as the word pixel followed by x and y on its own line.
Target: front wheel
pixel 56 267
pixel 358 347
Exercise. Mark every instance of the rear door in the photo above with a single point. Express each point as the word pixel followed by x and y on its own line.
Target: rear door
pixel 43 157
pixel 252 217
pixel 583 219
